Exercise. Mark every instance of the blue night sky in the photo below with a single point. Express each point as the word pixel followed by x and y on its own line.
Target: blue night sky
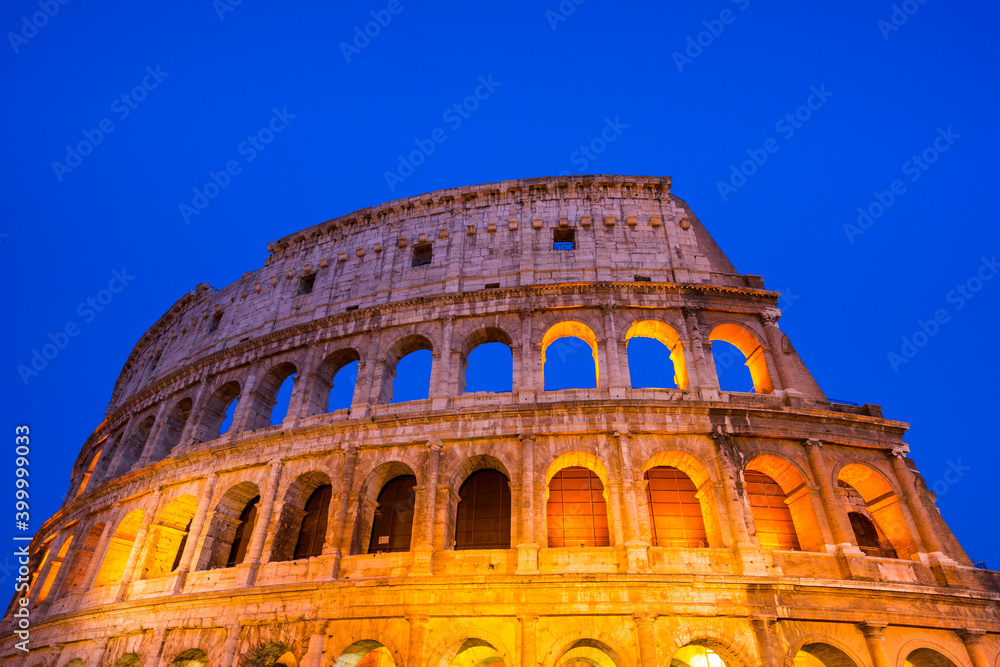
pixel 117 113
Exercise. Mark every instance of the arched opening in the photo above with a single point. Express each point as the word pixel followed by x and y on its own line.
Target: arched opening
pixel 134 445
pixel 231 528
pixel 334 383
pixel 80 561
pixel 272 654
pixel 475 652
pixel 771 516
pixel 392 526
pixel 927 657
pixel 219 412
pixel 301 528
pixel 89 472
pixel 57 564
pixel 867 493
pixel 76 662
pixel 703 653
pixel 576 510
pixel 749 348
pixel 271 398
pixel 173 428
pixel 168 537
pixel 730 367
pixel 483 514
pixel 119 548
pixel 655 356
pixel 365 653
pixel 192 657
pixel 406 373
pixel 487 363
pixel 589 653
pixel 129 660
pixel 794 497
pixel 818 654
pixel 868 538
pixel 675 513
pixel 312 534
pixel 564 364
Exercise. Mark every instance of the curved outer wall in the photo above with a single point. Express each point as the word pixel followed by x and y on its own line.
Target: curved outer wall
pixel 132 569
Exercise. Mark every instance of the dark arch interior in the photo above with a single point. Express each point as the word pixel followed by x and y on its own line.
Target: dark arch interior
pixel 392 527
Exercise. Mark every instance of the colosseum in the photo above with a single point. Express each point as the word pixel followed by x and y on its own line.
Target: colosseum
pixel 616 525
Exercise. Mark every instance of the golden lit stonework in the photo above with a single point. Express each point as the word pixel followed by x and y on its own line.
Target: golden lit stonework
pixel 611 526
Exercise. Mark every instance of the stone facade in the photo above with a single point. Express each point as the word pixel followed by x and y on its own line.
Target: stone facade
pixel 132 570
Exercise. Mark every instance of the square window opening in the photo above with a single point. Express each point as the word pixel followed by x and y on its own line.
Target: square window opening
pixel 306 284
pixel 563 239
pixel 422 254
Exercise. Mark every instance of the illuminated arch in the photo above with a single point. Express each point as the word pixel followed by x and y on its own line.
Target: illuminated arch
pixel 322 381
pixel 798 499
pixel 752 349
pixel 479 337
pixel 368 653
pixel 572 329
pixel 231 527
pixel 119 548
pixel 369 488
pixel 592 648
pixel 296 515
pixel 925 653
pixel 822 650
pixel 264 397
pixel 556 520
pixel 881 502
pixel 402 347
pixel 666 334
pixel 168 537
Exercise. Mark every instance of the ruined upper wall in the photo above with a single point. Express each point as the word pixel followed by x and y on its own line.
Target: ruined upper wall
pixel 497 235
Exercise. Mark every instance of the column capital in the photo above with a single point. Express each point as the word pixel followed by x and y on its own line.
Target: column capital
pixel 525 313
pixel 526 436
pixel 970 636
pixel 813 442
pixel 873 629
pixel 448 319
pixel 644 618
pixel 435 444
pixel 769 318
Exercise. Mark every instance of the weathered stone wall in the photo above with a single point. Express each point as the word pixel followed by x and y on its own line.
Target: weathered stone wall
pixel 132 569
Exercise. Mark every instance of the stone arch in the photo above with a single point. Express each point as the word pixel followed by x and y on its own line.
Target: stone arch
pixel 698 472
pixel 354 653
pixel 321 382
pixel 574 329
pixel 128 660
pixel 578 459
pixel 131 448
pixel 269 654
pixel 446 651
pixel 289 521
pixel 214 411
pixel 828 651
pixel 589 646
pixel 224 528
pixel 481 336
pixel 192 657
pixel 168 536
pixel 928 653
pixel 732 651
pixel 474 507
pixel 263 397
pixel 83 554
pixel 600 517
pixel 668 336
pixel 173 427
pixel 368 488
pixel 401 347
pixel 881 502
pixel 95 458
pixel 58 562
pixel 752 348
pixel 461 469
pixel 792 480
pixel 119 547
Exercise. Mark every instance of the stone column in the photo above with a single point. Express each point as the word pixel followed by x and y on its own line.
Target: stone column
pixel 263 523
pixel 139 546
pixel 614 382
pixel 636 549
pixel 876 643
pixel 154 434
pixel 101 549
pixel 527 550
pixel 100 648
pixel 418 630
pixel 973 646
pixel 155 658
pixel 647 640
pixel 703 364
pixel 728 476
pixel 925 527
pixel 836 514
pixel 122 445
pixel 44 573
pixel 528 653
pixel 442 385
pixel 195 418
pixel 195 532
pixel 530 385
pixel 241 416
pixel 335 538
pixel 765 643
pixel 314 653
pixel 370 377
pixel 424 551
pixel 228 656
